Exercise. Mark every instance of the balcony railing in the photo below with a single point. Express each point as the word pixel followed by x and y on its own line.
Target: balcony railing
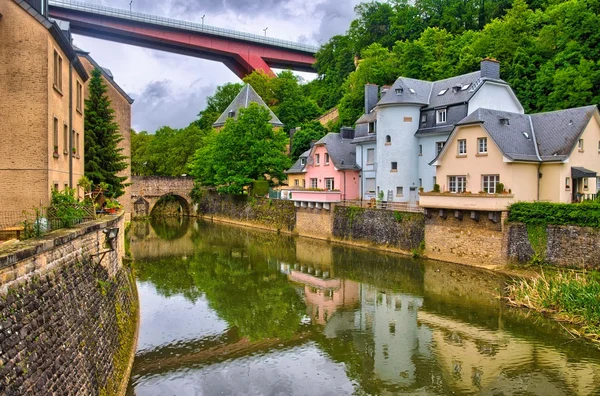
pixel 466 201
pixel 373 204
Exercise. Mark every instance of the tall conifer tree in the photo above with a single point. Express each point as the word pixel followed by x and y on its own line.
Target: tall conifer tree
pixel 103 158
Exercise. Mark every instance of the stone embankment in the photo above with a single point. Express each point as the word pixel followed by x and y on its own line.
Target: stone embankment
pixel 68 313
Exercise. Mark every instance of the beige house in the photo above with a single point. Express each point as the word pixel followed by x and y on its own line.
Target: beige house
pixel 121 103
pixel 41 101
pixel 551 157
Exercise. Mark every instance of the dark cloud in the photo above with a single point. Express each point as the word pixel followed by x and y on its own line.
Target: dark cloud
pixel 335 18
pixel 159 104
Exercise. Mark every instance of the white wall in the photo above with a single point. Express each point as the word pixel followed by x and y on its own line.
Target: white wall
pixel 495 96
pixel 426 171
pixel 368 171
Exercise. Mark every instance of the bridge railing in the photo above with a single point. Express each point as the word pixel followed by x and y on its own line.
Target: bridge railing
pixel 180 24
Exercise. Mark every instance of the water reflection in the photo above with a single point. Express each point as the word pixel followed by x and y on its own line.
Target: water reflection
pixel 228 310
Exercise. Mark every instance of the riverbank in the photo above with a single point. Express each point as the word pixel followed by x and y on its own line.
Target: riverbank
pixel 568 296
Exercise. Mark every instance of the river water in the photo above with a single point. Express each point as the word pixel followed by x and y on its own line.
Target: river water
pixel 233 311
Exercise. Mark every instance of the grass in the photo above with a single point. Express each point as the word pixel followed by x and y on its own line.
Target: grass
pixel 568 296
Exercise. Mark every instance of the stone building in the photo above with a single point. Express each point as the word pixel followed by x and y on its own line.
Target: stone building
pixel 42 86
pixel 121 104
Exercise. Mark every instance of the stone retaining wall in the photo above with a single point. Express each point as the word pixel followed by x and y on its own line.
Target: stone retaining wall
pixel 67 320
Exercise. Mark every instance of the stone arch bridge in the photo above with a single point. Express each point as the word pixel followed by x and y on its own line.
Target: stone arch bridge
pixel 146 191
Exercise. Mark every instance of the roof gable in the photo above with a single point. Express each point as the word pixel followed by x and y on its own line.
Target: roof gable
pixel 341 151
pixel 246 96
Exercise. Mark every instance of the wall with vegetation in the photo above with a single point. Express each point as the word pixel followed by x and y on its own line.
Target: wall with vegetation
pixel 404 231
pixel 270 213
pixel 68 322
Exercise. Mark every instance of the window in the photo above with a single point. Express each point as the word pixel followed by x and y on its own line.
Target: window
pixel 303 183
pixel 420 182
pixel 420 150
pixel 297 182
pixel 75 144
pixel 329 183
pixel 370 185
pixel 317 159
pixel 434 180
pixel 79 97
pixel 313 183
pixel 488 183
pixel 457 184
pixel 55 136
pixel 423 118
pixel 399 191
pixel 55 186
pixel 482 145
pixel 567 183
pixel 394 166
pixel 65 139
pixel 231 114
pixel 372 126
pixel 585 183
pixel 388 140
pixel 57 71
pixel 370 156
pixel 326 159
pixel 462 147
pixel 441 116
pixel 599 146
pixel 439 146
pixel 302 161
pixel 66 186
pixel 580 144
pixel 399 91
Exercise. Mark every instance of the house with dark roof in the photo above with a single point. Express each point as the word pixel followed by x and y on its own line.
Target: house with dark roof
pixel 553 156
pixel 328 170
pixel 246 96
pixel 406 125
pixel 41 102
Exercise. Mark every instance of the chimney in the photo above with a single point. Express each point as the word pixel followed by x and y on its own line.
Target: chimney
pixel 490 68
pixel 371 97
pixel 383 90
pixel 40 6
pixel 347 133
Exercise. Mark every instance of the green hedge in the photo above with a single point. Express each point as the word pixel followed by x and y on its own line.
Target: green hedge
pixel 585 214
pixel 260 188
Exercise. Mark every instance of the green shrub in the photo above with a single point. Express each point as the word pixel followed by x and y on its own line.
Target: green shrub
pixel 436 188
pixel 260 188
pixel 543 213
pixel 65 208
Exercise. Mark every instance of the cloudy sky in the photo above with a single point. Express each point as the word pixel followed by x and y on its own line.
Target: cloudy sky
pixel 171 89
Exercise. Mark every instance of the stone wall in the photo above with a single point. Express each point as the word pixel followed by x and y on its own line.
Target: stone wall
pixel 478 242
pixel 399 230
pixel 565 246
pixel 68 317
pixel 314 223
pixel 268 213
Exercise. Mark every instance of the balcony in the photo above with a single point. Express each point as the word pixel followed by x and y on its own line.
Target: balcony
pixel 466 201
pixel 315 199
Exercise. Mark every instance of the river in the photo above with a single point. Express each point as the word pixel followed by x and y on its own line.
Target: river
pixel 234 311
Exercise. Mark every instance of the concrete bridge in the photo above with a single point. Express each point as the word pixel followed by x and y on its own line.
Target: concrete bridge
pixel 146 191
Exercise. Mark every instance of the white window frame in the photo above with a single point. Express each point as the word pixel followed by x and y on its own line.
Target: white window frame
pixel 439 146
pixel 317 159
pixel 489 183
pixel 399 191
pixel 367 181
pixel 586 183
pixel 302 161
pixel 372 160
pixel 372 127
pixel 580 144
pixel 457 184
pixel 314 182
pixel 329 183
pixel 462 146
pixel 482 147
pixel 441 116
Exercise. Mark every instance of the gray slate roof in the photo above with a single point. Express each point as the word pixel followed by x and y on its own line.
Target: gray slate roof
pixel 246 96
pixel 556 132
pixel 341 151
pixel 298 167
pixel 413 92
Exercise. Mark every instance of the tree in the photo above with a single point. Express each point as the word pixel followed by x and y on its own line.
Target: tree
pixel 216 104
pixel 140 146
pixel 308 132
pixel 103 158
pixel 245 150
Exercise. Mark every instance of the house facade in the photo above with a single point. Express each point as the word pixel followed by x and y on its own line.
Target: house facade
pixel 42 88
pixel 121 103
pixel 551 156
pixel 328 171
pixel 408 124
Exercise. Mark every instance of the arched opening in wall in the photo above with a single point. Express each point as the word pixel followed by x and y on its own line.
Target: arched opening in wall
pixel 170 205
pixel 388 139
pixel 170 228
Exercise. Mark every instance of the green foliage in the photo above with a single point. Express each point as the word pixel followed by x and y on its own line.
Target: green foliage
pixel 542 213
pixel 418 252
pixel 538 239
pixel 103 158
pixel 436 188
pixel 217 104
pixel 308 132
pixel 65 208
pixel 245 150
pixel 499 188
pixel 260 188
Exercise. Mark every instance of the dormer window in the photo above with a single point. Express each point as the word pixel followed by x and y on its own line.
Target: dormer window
pixel 302 161
pixel 456 88
pixel 423 118
pixel 399 91
pixel 441 116
pixel 372 127
pixel 231 114
pixel 443 91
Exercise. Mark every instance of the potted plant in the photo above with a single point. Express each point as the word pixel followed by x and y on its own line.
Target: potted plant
pixel 74 150
pixel 111 206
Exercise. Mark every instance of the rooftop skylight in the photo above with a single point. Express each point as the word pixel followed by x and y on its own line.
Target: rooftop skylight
pixel 465 87
pixel 443 91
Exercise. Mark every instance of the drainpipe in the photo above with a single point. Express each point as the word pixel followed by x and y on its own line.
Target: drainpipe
pixel 344 185
pixel 537 153
pixel 70 124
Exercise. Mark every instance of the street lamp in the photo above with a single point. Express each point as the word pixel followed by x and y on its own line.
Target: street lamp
pixel 265 30
pixel 130 5
pixel 203 20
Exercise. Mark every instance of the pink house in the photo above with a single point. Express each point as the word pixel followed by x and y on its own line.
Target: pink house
pixel 329 169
